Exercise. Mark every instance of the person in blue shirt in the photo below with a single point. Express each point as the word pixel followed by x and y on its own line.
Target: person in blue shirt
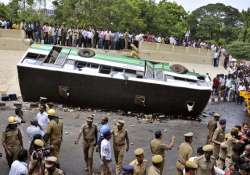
pixel 127 170
pixel 103 127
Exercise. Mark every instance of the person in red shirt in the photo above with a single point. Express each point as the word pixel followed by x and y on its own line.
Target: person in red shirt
pixel 216 84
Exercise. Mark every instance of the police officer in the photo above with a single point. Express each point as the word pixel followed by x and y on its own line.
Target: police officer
pixel 222 156
pixel 50 166
pixel 139 163
pixel 230 143
pixel 206 162
pixel 190 167
pixel 89 133
pixel 12 140
pixel 54 133
pixel 184 153
pixel 218 137
pixel 212 125
pixel 120 143
pixel 155 169
pixel 158 147
pixel 36 165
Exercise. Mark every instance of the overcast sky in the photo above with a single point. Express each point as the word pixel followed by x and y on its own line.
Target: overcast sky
pixel 191 5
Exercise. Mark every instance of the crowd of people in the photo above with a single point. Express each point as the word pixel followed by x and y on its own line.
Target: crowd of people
pixel 229 87
pixel 45 137
pixel 219 53
pixel 96 38
pixel 231 151
pixel 5 24
pixel 99 38
pixel 223 154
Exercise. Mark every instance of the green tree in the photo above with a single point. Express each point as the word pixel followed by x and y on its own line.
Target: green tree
pixel 4 11
pixel 245 35
pixel 215 21
pixel 14 10
pixel 133 15
pixel 239 50
pixel 170 19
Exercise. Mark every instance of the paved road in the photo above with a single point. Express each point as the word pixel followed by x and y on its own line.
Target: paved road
pixel 139 132
pixel 8 70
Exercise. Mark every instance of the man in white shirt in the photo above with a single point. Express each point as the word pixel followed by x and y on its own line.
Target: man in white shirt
pixel 241 87
pixel 1 24
pixel 19 167
pixel 228 85
pixel 34 129
pixel 4 24
pixel 172 40
pixel 42 118
pixel 222 81
pixel 106 152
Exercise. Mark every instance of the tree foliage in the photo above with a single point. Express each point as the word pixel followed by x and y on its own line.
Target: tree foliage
pixel 215 21
pixel 239 50
pixel 21 10
pixel 4 11
pixel 13 9
pixel 245 34
pixel 133 15
pixel 171 19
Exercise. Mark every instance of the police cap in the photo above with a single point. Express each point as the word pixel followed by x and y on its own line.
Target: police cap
pixel 191 164
pixel 157 159
pixel 139 151
pixel 208 148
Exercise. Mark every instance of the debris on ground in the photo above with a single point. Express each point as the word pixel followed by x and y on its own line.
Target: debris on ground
pixel 205 114
pixel 8 97
pixel 2 104
pixel 141 117
pixel 34 105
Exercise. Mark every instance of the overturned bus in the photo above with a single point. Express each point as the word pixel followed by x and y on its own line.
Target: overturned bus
pixel 81 77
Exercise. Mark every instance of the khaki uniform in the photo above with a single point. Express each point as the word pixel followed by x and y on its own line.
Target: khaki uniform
pixel 212 125
pixel 188 173
pixel 56 172
pixel 158 148
pixel 219 135
pixel 222 158
pixel 13 140
pixel 139 169
pixel 152 170
pixel 230 143
pixel 204 167
pixel 36 167
pixel 55 133
pixel 89 141
pixel 119 145
pixel 184 153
